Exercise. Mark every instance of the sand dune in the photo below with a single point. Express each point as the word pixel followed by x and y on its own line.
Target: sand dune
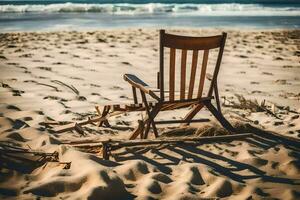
pixel 62 75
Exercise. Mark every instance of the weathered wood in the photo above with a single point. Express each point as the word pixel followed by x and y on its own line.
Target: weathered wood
pixel 219 116
pixel 139 84
pixel 183 74
pixel 217 97
pixel 174 42
pixel 161 64
pixel 203 72
pixel 138 131
pixel 181 121
pixel 134 95
pixel 99 143
pixel 78 129
pixel 104 113
pixel 158 82
pixel 193 112
pixel 7 149
pixel 195 100
pixel 191 43
pixel 71 126
pixel 180 140
pixel 193 74
pixel 218 64
pixel 172 74
pixel 105 150
pixel 150 116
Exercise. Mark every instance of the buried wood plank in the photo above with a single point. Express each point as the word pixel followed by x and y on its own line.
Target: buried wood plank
pixel 72 125
pixel 180 140
pixel 109 146
pixel 126 143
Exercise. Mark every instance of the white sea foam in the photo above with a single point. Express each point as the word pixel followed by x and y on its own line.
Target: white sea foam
pixel 192 9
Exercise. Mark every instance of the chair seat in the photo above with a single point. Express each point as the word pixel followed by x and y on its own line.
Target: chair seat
pixel 166 105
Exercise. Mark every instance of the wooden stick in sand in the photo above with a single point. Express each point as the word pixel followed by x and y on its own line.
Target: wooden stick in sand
pixel 109 145
pixel 72 125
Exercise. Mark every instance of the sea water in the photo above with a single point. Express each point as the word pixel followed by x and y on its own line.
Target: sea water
pixel 37 15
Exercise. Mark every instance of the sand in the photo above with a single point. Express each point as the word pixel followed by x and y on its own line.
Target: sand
pixel 259 65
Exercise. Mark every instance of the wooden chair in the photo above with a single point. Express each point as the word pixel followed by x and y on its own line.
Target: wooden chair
pixel 162 102
pixel 184 44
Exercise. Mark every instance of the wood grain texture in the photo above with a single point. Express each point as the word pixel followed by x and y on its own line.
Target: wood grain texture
pixel 183 74
pixel 172 74
pixel 203 72
pixel 193 74
pixel 191 43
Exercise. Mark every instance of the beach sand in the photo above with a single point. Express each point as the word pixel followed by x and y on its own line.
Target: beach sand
pixel 258 65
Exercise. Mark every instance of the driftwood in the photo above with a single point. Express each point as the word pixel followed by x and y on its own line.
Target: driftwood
pixel 75 125
pixel 53 87
pixel 50 157
pixel 250 105
pixel 7 149
pixel 110 145
pixel 64 84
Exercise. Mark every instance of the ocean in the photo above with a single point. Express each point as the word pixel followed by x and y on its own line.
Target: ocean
pixel 39 15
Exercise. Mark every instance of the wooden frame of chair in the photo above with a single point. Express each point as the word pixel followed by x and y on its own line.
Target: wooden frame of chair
pixel 184 43
pixel 162 103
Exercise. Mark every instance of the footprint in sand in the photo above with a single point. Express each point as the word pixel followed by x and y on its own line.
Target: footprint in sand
pixel 95 94
pixel 277 123
pixel 19 50
pixel 267 73
pixel 242 56
pixel 287 66
pixel 95 85
pixel 39 61
pixel 3 57
pixel 45 68
pixel 15 64
pixel 28 55
pixel 281 82
pixel 12 107
pixel 17 92
pixel 116 88
pixel 126 63
pixel 76 78
pixel 278 58
pixel 55 98
pixel 58 63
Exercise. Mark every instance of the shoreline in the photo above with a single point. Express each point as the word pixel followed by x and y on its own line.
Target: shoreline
pixel 173 28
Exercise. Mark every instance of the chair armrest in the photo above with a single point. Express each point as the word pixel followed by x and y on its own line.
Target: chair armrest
pixel 139 84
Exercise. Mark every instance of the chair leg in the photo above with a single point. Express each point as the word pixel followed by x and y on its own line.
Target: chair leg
pixel 104 113
pixel 217 97
pixel 219 116
pixel 138 131
pixel 192 113
pixel 145 133
pixel 151 116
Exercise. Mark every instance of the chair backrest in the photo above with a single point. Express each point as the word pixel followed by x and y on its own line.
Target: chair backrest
pixel 185 44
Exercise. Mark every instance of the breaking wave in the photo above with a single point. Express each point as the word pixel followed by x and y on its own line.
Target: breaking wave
pixel 231 9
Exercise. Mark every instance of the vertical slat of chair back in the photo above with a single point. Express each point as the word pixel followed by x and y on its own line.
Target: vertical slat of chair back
pixel 218 64
pixel 186 44
pixel 172 74
pixel 203 72
pixel 183 74
pixel 193 74
pixel 161 65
